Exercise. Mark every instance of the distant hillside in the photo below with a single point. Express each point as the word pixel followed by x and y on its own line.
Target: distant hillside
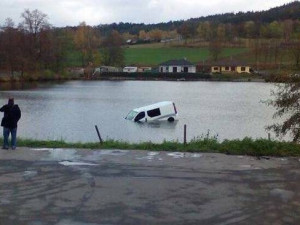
pixel 284 12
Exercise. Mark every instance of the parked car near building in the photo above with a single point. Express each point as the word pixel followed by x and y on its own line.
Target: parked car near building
pixel 106 69
pixel 130 69
pixel 144 69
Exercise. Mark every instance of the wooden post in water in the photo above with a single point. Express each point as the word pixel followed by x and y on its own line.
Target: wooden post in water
pixel 184 134
pixel 100 139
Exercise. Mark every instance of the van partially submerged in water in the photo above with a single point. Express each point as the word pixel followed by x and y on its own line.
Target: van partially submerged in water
pixel 159 111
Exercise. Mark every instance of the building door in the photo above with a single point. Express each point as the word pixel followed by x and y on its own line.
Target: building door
pixel 174 69
pixel 185 69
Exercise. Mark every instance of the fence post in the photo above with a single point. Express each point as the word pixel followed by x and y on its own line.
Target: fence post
pixel 100 139
pixel 184 134
pixel 269 136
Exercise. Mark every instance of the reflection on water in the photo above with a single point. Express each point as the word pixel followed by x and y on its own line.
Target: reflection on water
pixel 11 86
pixel 164 124
pixel 6 86
pixel 70 110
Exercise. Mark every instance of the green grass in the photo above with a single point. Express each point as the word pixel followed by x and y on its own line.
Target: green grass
pixel 246 146
pixel 155 56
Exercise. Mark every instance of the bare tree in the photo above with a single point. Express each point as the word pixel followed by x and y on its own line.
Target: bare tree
pixel 215 49
pixel 10 46
pixel 87 41
pixel 113 53
pixel 187 30
pixel 34 22
pixel 295 52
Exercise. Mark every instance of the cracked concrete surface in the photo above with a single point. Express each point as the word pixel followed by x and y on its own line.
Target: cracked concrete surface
pixel 69 186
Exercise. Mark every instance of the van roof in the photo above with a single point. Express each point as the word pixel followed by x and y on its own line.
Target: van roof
pixel 153 106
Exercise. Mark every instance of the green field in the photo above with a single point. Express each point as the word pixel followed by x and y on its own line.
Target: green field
pixel 155 56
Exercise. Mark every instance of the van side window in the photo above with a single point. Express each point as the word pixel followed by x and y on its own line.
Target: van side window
pixel 154 112
pixel 140 116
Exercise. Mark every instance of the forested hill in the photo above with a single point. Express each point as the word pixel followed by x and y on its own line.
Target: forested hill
pixel 284 12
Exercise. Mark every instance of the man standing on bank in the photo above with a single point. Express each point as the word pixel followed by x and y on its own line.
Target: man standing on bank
pixel 12 114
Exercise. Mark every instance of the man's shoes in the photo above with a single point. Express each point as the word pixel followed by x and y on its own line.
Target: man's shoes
pixel 13 148
pixel 4 147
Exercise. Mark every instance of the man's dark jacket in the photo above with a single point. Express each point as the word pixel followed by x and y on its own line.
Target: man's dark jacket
pixel 12 114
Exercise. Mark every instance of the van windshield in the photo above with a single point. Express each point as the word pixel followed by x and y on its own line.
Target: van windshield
pixel 131 115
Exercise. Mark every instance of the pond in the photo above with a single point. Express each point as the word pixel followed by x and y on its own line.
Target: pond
pixel 70 110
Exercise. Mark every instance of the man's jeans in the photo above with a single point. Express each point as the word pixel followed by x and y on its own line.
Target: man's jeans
pixel 13 132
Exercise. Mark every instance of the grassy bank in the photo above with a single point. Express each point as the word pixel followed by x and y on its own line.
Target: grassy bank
pixel 246 146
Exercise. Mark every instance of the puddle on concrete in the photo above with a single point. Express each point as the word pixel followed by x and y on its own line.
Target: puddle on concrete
pixel 249 167
pixel 96 155
pixel 57 154
pixel 153 153
pixel 195 155
pixel 72 222
pixel 28 174
pixel 41 149
pixel 4 201
pixel 113 152
pixel 69 163
pixel 150 156
pixel 176 155
pixel 246 166
pixel 284 195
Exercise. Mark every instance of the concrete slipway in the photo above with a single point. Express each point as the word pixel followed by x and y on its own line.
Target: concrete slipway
pixel 69 186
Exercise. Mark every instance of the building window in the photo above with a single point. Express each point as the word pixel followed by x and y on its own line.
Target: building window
pixel 243 69
pixel 216 68
pixel 226 68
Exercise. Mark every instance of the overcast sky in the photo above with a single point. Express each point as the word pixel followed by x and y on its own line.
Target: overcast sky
pixel 94 12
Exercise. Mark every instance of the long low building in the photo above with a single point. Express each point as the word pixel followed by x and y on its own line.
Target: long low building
pixel 225 66
pixel 177 66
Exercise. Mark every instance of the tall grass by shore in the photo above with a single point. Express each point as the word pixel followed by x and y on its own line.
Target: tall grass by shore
pixel 246 146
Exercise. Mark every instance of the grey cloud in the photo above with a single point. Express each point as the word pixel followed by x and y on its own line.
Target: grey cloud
pixel 94 12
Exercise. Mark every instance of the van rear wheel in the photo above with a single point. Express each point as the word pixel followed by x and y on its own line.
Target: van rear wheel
pixel 171 119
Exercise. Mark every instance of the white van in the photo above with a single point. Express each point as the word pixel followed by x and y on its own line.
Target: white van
pixel 158 111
